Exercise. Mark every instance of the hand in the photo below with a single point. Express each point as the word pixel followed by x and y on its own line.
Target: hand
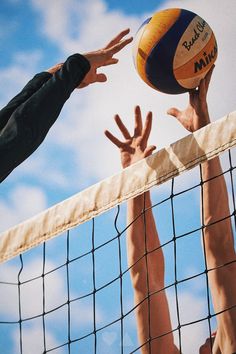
pixel 54 68
pixel 134 148
pixel 104 57
pixel 196 115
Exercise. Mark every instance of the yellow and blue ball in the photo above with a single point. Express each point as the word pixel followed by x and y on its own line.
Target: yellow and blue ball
pixel 173 50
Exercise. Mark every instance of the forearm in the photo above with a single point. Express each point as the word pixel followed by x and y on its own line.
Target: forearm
pixel 142 239
pixel 219 247
pixel 29 124
pixel 145 256
pixel 29 89
pixel 218 236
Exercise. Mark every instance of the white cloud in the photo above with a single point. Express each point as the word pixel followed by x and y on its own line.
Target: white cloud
pixel 18 73
pixel 75 25
pixel 39 166
pixel 21 59
pixel 23 202
pixel 33 341
pixel 55 17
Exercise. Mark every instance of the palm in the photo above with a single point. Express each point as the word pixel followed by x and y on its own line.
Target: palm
pixel 134 148
pixel 196 115
pixel 191 116
pixel 132 151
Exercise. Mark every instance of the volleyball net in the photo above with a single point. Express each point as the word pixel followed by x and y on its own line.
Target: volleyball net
pixel 64 277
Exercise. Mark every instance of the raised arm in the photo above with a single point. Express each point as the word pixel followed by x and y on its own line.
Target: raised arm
pixel 218 235
pixel 147 272
pixel 219 247
pixel 27 118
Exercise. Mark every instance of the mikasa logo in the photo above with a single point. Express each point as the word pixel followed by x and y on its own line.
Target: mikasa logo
pixel 207 58
pixel 200 26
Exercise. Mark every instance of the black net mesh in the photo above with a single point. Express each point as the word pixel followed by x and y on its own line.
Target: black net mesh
pixel 73 294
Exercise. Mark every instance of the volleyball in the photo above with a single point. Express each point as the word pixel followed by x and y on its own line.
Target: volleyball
pixel 173 50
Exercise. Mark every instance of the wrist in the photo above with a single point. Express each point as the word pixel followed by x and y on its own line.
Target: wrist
pixel 203 117
pixel 205 120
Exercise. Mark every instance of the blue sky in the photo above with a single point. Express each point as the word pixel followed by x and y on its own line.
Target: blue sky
pixel 19 31
pixel 34 35
pixel 134 7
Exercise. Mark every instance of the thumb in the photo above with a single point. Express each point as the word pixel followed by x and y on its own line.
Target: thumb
pixel 101 78
pixel 149 150
pixel 173 112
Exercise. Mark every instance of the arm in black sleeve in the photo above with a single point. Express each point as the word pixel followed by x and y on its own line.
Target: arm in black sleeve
pixel 29 89
pixel 30 122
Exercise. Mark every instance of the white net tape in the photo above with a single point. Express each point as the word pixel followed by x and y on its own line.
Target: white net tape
pixel 163 165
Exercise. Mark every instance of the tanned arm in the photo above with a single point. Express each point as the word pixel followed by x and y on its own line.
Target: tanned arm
pixel 145 255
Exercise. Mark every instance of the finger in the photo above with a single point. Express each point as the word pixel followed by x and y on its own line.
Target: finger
pixel 117 47
pixel 138 124
pixel 117 38
pixel 149 150
pixel 173 112
pixel 202 90
pixel 113 139
pixel 204 84
pixel 122 127
pixel 111 61
pixel 147 129
pixel 100 78
pixel 208 77
pixel 192 94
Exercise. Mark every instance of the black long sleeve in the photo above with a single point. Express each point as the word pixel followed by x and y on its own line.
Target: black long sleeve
pixel 29 89
pixel 26 120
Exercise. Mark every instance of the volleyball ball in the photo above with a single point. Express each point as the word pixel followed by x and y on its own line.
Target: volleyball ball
pixel 173 50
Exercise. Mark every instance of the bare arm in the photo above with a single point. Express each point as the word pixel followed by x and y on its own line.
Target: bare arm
pixel 147 273
pixel 219 247
pixel 218 238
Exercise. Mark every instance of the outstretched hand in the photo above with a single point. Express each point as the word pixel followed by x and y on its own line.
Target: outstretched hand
pixel 104 57
pixel 134 148
pixel 196 115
